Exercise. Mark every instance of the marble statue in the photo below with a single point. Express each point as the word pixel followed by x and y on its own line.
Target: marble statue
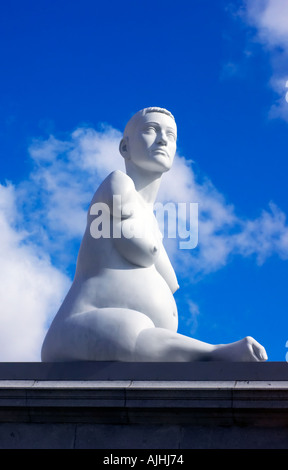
pixel 120 306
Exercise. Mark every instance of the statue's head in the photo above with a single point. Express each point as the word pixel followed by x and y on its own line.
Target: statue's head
pixel 149 140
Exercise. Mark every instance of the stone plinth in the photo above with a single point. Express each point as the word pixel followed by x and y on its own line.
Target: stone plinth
pixel 144 405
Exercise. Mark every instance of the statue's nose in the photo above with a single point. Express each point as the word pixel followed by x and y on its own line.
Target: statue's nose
pixel 162 138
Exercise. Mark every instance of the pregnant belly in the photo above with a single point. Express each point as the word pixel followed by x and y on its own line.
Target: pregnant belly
pixel 141 289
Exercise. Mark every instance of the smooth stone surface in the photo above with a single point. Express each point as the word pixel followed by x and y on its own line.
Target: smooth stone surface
pixel 121 304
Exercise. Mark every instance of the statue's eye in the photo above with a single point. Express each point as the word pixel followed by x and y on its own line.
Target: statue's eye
pixel 150 129
pixel 171 136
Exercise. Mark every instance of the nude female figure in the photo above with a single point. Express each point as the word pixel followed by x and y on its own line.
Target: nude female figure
pixel 120 306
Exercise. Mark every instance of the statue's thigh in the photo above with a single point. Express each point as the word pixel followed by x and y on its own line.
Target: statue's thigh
pixel 104 334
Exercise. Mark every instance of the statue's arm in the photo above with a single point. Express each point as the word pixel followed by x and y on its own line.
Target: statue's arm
pixel 115 192
pixel 165 268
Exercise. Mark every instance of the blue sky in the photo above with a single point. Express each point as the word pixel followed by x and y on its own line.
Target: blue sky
pixel 72 74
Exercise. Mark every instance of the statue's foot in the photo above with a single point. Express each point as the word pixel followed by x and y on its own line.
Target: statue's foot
pixel 245 350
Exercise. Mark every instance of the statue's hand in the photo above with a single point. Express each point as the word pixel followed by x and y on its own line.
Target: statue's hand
pixel 245 350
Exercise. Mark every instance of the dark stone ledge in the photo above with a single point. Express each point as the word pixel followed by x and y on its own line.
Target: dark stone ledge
pixel 152 371
pixel 114 405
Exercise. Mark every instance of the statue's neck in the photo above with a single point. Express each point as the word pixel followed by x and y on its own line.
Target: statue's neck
pixel 146 183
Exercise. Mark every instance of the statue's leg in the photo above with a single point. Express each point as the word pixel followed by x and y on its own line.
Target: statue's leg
pixel 119 334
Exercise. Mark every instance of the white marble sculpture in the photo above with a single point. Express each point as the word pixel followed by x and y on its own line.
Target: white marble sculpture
pixel 120 306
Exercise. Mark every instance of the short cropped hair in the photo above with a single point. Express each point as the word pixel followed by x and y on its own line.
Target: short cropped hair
pixel 142 113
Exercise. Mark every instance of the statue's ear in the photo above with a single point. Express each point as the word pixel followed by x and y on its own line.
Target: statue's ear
pixel 123 148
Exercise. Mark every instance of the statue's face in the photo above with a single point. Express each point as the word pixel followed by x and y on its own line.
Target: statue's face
pixel 152 143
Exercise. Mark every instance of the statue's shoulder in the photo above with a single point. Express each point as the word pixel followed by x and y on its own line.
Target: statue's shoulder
pixel 116 183
pixel 119 182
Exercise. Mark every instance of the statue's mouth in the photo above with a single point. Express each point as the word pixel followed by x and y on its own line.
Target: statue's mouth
pixel 162 151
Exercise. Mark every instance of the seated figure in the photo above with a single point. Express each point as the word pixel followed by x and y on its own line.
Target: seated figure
pixel 120 306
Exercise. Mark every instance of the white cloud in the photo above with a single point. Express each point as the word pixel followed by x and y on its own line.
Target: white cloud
pixel 222 233
pixel 30 287
pixel 269 18
pixel 265 236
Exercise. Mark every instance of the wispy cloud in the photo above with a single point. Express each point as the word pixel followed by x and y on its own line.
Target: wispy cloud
pixel 42 217
pixel 30 286
pixel 268 18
